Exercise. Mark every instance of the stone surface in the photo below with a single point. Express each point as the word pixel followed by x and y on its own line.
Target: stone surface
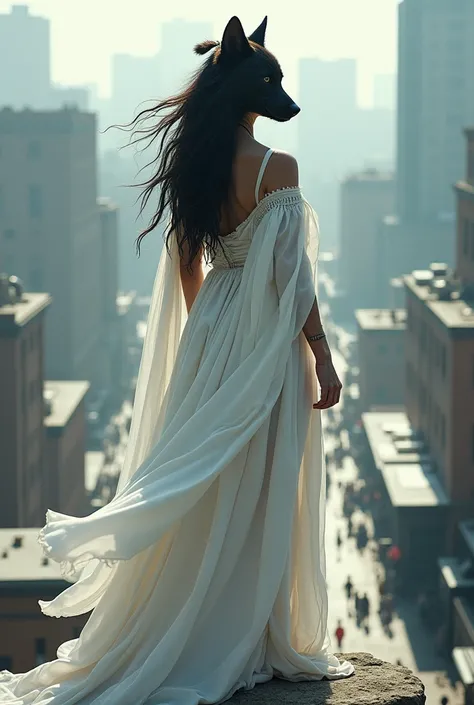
pixel 374 682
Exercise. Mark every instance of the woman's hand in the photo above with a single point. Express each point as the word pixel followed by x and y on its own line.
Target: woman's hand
pixel 329 383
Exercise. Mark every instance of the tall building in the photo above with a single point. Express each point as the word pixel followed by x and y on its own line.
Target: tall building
pixel 364 198
pixel 435 103
pixel 440 356
pixel 23 496
pixel 24 59
pixel 50 230
pixel 381 355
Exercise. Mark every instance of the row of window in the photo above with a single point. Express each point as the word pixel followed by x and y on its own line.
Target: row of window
pixel 436 420
pixel 433 350
pixel 34 200
pixel 468 238
pixel 33 150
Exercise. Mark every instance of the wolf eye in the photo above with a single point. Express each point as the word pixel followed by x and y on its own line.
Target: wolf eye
pixel 266 79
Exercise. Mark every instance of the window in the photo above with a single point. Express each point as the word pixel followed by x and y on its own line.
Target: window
pixel 9 233
pixel 382 348
pixel 472 445
pixel 472 241
pixel 35 201
pixel 443 431
pixel 33 150
pixel 2 201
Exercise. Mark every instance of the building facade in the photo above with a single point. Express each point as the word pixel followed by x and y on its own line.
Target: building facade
pixel 65 444
pixel 25 79
pixel 22 500
pixel 381 355
pixel 50 230
pixel 435 103
pixel 28 637
pixel 364 199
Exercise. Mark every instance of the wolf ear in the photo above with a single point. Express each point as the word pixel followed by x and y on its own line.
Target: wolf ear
pixel 234 44
pixel 259 35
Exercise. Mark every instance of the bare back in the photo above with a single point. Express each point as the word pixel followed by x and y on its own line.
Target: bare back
pixel 241 203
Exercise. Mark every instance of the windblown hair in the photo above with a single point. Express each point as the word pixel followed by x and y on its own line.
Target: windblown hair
pixel 197 130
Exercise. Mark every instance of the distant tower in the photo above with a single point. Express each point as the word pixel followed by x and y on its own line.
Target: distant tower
pixel 24 59
pixel 50 228
pixel 435 103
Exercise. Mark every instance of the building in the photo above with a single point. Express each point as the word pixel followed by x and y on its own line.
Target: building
pixel 381 355
pixel 22 319
pixel 28 637
pixel 65 443
pixel 435 103
pixel 413 506
pixel 464 190
pixel 364 199
pixel 50 230
pixel 439 371
pixel 110 323
pixel 24 59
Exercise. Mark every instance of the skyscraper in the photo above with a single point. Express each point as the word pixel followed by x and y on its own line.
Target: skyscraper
pixel 435 103
pixel 24 59
pixel 50 230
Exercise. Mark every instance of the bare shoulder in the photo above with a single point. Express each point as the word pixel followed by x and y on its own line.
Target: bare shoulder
pixel 281 171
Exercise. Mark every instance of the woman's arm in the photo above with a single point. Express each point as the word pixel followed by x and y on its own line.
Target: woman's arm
pixel 282 172
pixel 191 282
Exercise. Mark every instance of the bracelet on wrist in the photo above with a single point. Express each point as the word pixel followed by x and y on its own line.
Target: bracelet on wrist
pixel 317 336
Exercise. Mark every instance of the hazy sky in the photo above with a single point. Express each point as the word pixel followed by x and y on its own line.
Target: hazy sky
pixel 85 33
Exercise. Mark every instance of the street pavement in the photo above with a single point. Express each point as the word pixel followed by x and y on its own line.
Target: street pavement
pixel 410 642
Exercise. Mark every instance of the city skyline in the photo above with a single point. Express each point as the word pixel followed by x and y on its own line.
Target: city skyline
pixel 317 32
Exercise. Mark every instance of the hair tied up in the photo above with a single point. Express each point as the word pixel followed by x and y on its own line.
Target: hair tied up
pixel 205 46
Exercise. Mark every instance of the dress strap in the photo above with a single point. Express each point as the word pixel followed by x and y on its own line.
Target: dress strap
pixel 264 163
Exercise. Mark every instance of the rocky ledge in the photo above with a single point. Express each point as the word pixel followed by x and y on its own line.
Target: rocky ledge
pixel 374 682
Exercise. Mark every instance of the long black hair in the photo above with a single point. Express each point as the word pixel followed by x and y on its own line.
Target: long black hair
pixel 197 133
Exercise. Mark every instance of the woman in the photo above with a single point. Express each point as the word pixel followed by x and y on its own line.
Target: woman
pixel 205 573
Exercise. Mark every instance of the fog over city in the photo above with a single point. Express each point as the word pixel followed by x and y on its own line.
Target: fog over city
pixel 385 150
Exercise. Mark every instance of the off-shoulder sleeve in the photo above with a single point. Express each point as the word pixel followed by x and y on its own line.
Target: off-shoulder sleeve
pixel 295 256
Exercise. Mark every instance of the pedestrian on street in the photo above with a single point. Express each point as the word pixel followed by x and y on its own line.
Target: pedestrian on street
pixel 339 634
pixel 365 607
pixel 349 587
pixel 349 525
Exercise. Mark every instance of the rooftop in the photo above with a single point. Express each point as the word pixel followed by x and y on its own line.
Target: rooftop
pixel 403 460
pixel 381 318
pixel 63 398
pixel 19 313
pixel 443 297
pixel 26 562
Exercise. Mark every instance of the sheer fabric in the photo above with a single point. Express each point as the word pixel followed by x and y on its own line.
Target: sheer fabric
pixel 206 572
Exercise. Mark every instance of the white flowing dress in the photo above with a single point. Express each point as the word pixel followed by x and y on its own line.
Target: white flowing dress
pixel 206 572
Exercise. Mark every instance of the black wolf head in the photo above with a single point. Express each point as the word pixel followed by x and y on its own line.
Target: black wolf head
pixel 254 72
